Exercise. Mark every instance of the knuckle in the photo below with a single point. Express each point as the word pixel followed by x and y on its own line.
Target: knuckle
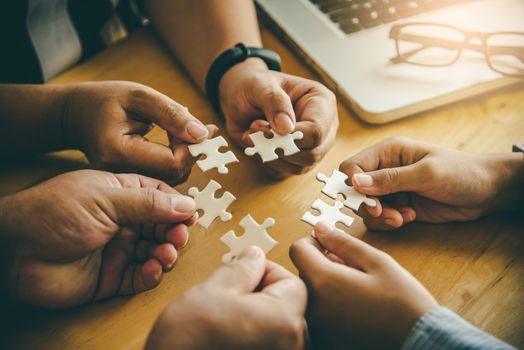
pixel 316 136
pixel 312 157
pixel 391 177
pixel 378 258
pixel 346 166
pixel 126 181
pixel 272 94
pixel 295 248
pixel 151 199
pixel 139 92
pixel 242 270
pixel 324 93
pixel 330 95
pixel 430 170
pixel 259 78
pixel 181 175
pixel 384 259
pixel 396 140
pixel 177 172
pixel 173 111
pixel 292 331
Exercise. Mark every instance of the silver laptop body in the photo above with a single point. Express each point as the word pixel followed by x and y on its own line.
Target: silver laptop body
pixel 357 65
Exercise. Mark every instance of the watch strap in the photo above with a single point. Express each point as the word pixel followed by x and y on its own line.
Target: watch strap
pixel 237 54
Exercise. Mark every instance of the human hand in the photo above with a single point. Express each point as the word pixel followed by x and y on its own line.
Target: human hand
pixel 420 181
pixel 88 235
pixel 359 296
pixel 250 303
pixel 108 121
pixel 256 99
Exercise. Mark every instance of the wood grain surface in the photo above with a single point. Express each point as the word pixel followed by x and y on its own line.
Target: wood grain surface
pixel 476 269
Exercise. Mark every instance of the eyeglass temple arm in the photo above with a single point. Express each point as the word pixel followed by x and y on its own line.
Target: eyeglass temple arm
pixel 517 52
pixel 428 42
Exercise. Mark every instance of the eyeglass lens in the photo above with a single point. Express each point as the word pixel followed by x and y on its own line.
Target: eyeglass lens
pixel 430 45
pixel 506 53
pixel 438 45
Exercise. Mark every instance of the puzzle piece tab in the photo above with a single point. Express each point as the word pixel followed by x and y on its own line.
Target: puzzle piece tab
pixel 329 214
pixel 266 147
pixel 213 207
pixel 214 158
pixel 254 234
pixel 337 184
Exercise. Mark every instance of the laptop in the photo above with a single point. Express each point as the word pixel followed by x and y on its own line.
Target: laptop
pixel 352 51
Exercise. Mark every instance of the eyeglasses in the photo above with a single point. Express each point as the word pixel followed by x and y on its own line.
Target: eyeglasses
pixel 440 45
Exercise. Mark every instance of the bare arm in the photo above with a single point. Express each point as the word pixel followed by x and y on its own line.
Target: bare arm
pixel 252 98
pixel 30 119
pixel 199 30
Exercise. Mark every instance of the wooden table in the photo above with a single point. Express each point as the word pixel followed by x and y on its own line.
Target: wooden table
pixel 476 269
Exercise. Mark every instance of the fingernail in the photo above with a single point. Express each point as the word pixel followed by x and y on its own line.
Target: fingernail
pixel 183 204
pixel 363 180
pixel 283 122
pixel 323 228
pixel 196 130
pixel 251 252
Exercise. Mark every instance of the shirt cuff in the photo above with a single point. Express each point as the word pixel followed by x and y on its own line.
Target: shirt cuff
pixel 441 328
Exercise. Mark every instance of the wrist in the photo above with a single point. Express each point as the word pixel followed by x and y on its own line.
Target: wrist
pixel 67 122
pixel 56 95
pixel 235 75
pixel 507 179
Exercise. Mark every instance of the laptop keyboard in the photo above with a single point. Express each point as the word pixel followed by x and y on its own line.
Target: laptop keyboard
pixel 354 15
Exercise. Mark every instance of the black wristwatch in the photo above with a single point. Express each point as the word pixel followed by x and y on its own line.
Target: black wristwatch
pixel 227 59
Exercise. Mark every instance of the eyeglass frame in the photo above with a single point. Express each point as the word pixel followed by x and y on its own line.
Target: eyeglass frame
pixel 465 44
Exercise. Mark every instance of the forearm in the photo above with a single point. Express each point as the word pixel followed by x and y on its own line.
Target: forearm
pixel 30 119
pixel 508 170
pixel 197 31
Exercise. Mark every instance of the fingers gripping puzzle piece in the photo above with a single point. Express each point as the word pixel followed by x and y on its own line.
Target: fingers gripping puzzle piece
pixel 337 184
pixel 266 147
pixel 213 207
pixel 330 214
pixel 214 158
pixel 254 234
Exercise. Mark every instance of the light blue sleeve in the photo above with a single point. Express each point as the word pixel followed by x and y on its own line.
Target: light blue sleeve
pixel 441 328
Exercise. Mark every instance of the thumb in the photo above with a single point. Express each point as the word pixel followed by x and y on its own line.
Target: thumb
pixel 351 250
pixel 168 114
pixel 243 274
pixel 389 180
pixel 149 205
pixel 276 105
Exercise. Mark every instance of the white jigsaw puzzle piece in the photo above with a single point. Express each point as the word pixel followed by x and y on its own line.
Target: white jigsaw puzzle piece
pixel 214 158
pixel 254 234
pixel 330 214
pixel 213 207
pixel 266 147
pixel 337 184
